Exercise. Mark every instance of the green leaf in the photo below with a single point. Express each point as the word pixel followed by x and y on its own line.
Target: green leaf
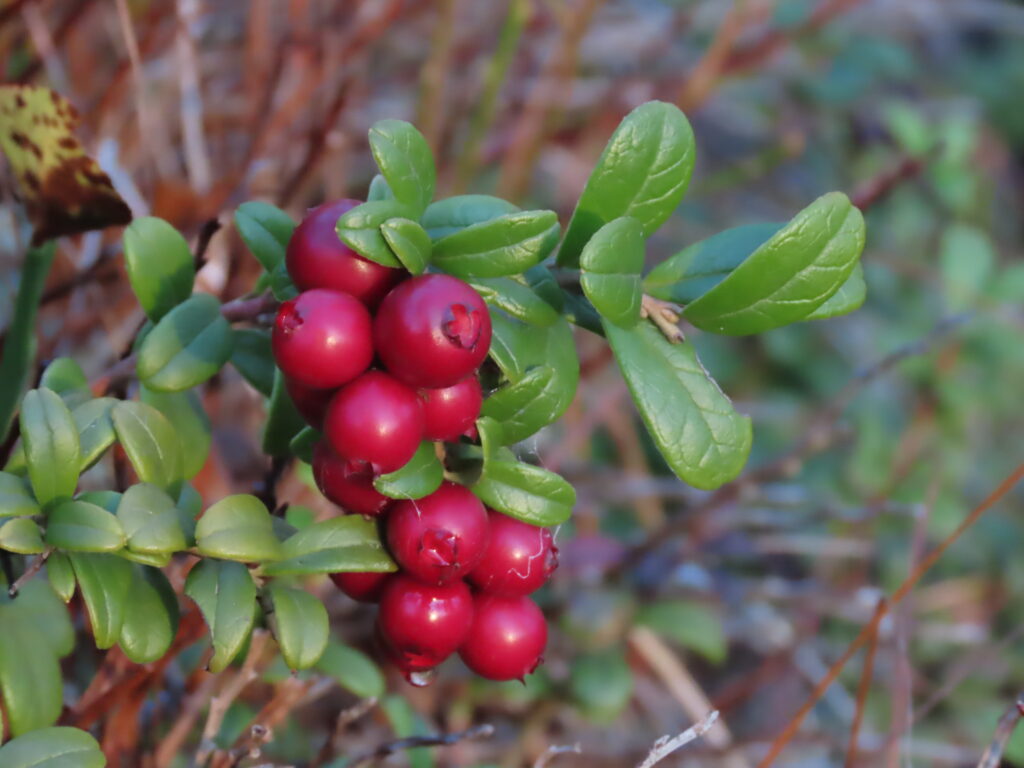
pixel 379 190
pixel 643 173
pixel 544 284
pixel 226 596
pixel 523 407
pixel 420 477
pixel 149 627
pixel 78 526
pixel 967 258
pixel 251 356
pixel 160 560
pixel 303 443
pixel 160 265
pixel 692 625
pixel 104 581
pixel 29 672
pixel 95 429
pixel 345 543
pixel 65 377
pixel 238 528
pixel 300 625
pixel 150 442
pixel 409 242
pixel 601 684
pixel 52 450
pixel 185 411
pixel 698 268
pixel 189 505
pixel 525 492
pixel 106 499
pixel 692 422
pixel 187 346
pixel 353 670
pixel 21 535
pixel 405 161
pixel 151 521
pixel 516 299
pixel 53 748
pixel 39 605
pixel 790 275
pixel 280 283
pixel 284 421
pixel 506 245
pixel 16 499
pixel 61 575
pixel 360 230
pixel 448 216
pixel 265 230
pixel 849 297
pixel 610 265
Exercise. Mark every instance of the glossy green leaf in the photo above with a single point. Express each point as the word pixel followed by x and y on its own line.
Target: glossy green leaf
pixel 158 560
pixel 150 520
pixel 151 443
pixel 379 190
pixel 420 477
pixel 610 266
pixel 22 536
pixel 643 173
pixel 409 242
pixel 445 217
pixel 849 297
pixel 506 245
pixel 789 276
pixel 698 268
pixel 359 229
pixel 265 230
pixel 52 450
pixel 61 575
pixel 516 299
pixel 189 506
pixel 353 670
pixel 16 497
pixel 405 161
pixel 78 526
pixel 109 500
pixel 302 444
pixel 104 581
pixel 39 605
pixel 300 625
pixel 345 543
pixel 160 265
pixel 544 284
pixel 692 422
pixel 238 528
pixel 251 356
pixel 53 748
pixel 187 346
pixel 280 283
pixel 29 672
pixel 284 421
pixel 691 624
pixel 185 411
pixel 149 627
pixel 226 596
pixel 523 407
pixel 95 429
pixel 65 377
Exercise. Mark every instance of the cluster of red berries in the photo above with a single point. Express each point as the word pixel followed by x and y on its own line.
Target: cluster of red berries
pixel 380 361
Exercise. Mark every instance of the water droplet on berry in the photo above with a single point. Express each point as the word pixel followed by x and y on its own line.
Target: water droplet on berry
pixel 420 678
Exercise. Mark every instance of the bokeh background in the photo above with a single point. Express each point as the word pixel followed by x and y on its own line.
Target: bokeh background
pixel 874 433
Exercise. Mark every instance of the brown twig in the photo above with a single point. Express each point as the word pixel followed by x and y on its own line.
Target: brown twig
pixel 33 568
pixel 865 684
pixel 873 190
pixel 664 315
pixel 484 731
pixel 345 718
pixel 1004 730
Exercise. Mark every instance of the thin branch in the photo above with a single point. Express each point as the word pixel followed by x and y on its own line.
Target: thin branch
pixel 484 731
pixel 345 718
pixel 33 568
pixel 666 745
pixel 865 684
pixel 554 751
pixel 1004 730
pixel 873 190
pixel 664 315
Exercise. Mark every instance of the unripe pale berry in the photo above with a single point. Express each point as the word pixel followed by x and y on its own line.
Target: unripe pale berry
pixel 423 624
pixel 347 483
pixel 506 639
pixel 518 560
pixel 432 331
pixel 362 587
pixel 322 339
pixel 451 412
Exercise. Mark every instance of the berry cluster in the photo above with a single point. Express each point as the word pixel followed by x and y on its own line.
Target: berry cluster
pixel 379 361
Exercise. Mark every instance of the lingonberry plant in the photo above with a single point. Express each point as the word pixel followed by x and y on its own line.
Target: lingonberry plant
pixel 405 346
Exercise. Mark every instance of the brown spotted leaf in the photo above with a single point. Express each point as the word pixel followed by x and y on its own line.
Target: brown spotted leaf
pixel 63 188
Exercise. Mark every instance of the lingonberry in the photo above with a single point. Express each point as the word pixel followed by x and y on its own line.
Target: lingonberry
pixel 423 624
pixel 506 639
pixel 322 339
pixel 431 331
pixel 362 587
pixel 347 482
pixel 316 258
pixel 440 537
pixel 375 419
pixel 518 559
pixel 311 403
pixel 450 412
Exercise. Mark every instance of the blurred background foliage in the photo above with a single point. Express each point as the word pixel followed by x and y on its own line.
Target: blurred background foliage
pixel 874 433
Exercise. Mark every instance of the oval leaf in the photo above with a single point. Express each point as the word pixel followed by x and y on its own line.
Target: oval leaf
pixel 226 596
pixel 150 520
pixel 300 625
pixel 95 429
pixel 185 411
pixel 187 346
pixel 52 451
pixel 353 670
pixel 519 406
pixel 238 528
pixel 692 422
pixel 516 299
pixel 78 526
pixel 29 673
pixel 265 230
pixel 53 748
pixel 420 477
pixel 359 229
pixel 104 581
pixel 345 543
pixel 150 442
pixel 160 265
pixel 22 536
pixel 643 173
pixel 65 377
pixel 849 297
pixel 525 492
pixel 610 265
pixel 61 575
pixel 506 245
pixel 445 217
pixel 408 242
pixel 16 499
pixel 405 162
pixel 251 356
pixel 149 627
pixel 379 190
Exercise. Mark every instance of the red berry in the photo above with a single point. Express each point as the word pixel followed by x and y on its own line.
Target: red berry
pixel 316 258
pixel 375 419
pixel 519 557
pixel 322 339
pixel 362 587
pixel 440 537
pixel 311 403
pixel 431 331
pixel 450 412
pixel 347 483
pixel 506 639
pixel 423 624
